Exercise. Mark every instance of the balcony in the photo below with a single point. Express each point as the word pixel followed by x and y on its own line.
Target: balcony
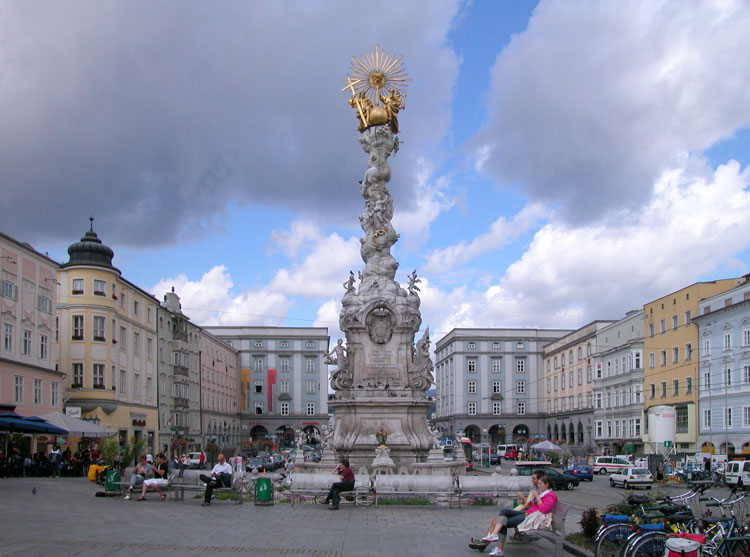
pixel 181 370
pixel 181 402
pixel 179 335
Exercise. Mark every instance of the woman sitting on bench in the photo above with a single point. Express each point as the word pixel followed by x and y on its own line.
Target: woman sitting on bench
pixel 543 502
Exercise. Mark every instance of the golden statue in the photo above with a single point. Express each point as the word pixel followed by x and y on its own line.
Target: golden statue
pixel 369 75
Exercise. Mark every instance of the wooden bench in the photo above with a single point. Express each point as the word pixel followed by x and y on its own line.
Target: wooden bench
pixel 361 495
pixel 168 489
pixel 556 533
pixel 238 488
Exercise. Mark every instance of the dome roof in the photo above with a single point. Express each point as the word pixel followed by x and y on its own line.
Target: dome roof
pixel 90 251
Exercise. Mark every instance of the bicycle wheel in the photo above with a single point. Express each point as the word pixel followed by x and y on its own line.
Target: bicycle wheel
pixel 650 545
pixel 739 548
pixel 611 540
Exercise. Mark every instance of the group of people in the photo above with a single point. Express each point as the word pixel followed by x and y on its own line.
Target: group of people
pixel 533 512
pixel 149 474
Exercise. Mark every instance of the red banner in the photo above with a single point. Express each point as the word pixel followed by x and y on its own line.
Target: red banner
pixel 271 375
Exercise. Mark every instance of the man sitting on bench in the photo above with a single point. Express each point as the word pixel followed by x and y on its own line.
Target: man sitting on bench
pixel 221 476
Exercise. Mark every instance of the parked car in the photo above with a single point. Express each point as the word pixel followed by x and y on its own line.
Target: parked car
pixel 580 470
pixel 560 481
pixel 738 473
pixel 253 463
pixel 194 460
pixel 508 452
pixel 632 477
pixel 609 464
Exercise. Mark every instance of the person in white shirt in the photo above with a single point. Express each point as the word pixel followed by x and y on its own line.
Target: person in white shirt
pixel 221 476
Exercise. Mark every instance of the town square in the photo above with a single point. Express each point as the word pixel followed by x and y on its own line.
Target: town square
pixel 471 275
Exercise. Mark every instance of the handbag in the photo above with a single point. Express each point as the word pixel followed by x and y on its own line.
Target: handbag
pixel 535 521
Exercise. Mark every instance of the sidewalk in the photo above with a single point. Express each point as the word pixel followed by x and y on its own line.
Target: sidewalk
pixel 64 518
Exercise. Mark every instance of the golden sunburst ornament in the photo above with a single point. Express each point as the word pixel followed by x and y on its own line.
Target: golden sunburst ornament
pixel 377 82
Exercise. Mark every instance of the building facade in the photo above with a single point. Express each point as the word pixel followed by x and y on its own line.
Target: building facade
pixel 487 383
pixel 569 382
pixel 724 367
pixel 670 349
pixel 108 339
pixel 618 386
pixel 30 383
pixel 283 378
pixel 220 391
pixel 180 428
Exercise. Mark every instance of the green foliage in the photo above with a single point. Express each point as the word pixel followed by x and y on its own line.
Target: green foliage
pixel 589 523
pixel 407 500
pixel 131 451
pixel 579 539
pixel 554 458
pixel 110 449
pixel 481 501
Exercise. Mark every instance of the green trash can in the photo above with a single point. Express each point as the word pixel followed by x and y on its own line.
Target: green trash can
pixel 263 491
pixel 113 478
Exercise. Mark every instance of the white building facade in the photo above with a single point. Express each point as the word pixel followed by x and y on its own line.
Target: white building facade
pixel 488 383
pixel 618 386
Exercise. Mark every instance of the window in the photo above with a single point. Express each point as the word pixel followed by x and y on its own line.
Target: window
pixel 589 398
pixel 150 386
pixel 135 307
pixel 675 355
pixel 44 304
pixel 148 315
pixel 728 376
pixel 77 286
pixel 663 326
pixel 520 387
pixel 26 346
pixel 149 347
pixel 746 416
pixel 310 364
pixel 706 347
pixel 687 318
pixel 136 385
pixel 598 400
pixel 663 389
pixel 599 429
pixel 471 345
pixel 123 339
pixel 18 389
pixel 707 379
pixel 706 418
pixel 556 383
pixel 77 327
pixel 54 394
pixel 609 428
pixel 37 392
pixel 496 365
pixel 284 408
pixel 580 377
pixel 496 346
pixel 651 361
pixel 598 371
pixel 651 330
pixel 570 380
pixel 728 417
pixel 675 323
pixel 637 360
pixel 100 287
pixel 284 364
pixel 136 343
pixel 258 408
pixel 77 376
pixel 471 365
pixel 653 390
pixel 497 408
pixel 43 346
pixel 746 374
pixel 284 386
pixel 123 382
pixel 727 341
pixel 259 387
pixel 637 427
pixel 310 408
pixel 471 387
pixel 688 385
pixel 472 408
pixel 549 385
pixel 9 289
pixel 521 366
pixel 98 370
pixel 258 364
pixel 521 407
pixel 588 374
pixel 99 328
pixel 310 387
pixel 681 419
pixel 310 344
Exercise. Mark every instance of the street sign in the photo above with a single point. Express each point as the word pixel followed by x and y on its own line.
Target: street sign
pixel 73 411
pixel 668 444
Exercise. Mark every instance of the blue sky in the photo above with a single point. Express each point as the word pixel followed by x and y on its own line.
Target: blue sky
pixel 561 161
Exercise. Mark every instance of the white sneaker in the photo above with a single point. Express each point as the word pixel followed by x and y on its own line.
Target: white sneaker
pixel 496 551
pixel 127 497
pixel 490 538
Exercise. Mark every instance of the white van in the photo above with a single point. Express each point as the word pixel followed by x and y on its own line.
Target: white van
pixel 738 473
pixel 609 464
pixel 508 452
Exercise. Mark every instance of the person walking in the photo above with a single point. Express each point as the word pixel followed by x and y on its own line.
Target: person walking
pixel 55 461
pixel 346 483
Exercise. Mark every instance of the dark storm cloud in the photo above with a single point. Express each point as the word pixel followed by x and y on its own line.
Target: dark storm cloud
pixel 153 116
pixel 596 99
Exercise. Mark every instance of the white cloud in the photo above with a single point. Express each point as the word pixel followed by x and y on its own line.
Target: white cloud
pixel 291 241
pixel 595 100
pixel 502 232
pixel 209 301
pixel 569 276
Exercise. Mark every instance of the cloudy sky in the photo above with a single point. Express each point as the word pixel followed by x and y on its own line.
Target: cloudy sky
pixel 561 162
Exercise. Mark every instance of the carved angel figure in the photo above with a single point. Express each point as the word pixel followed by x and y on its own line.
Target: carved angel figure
pixel 392 103
pixel 421 376
pixel 413 280
pixel 349 284
pixel 341 378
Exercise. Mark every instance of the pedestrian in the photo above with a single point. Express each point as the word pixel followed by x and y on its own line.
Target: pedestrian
pixel 346 483
pixel 202 460
pixel 55 461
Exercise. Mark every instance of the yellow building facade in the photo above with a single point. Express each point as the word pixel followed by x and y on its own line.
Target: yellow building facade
pixel 108 343
pixel 671 359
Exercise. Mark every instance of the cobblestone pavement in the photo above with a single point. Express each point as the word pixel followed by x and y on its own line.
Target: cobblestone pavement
pixel 65 518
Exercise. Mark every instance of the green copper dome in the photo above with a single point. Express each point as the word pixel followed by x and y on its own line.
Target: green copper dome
pixel 90 251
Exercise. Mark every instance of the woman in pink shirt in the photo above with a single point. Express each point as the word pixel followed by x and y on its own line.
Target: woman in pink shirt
pixel 543 501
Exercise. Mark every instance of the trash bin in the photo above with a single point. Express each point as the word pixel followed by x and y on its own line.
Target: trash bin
pixel 263 491
pixel 113 478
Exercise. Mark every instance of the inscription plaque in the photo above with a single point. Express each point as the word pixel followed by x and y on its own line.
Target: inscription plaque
pixel 381 359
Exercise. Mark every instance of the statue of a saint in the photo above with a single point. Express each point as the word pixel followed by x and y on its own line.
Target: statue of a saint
pixel 392 103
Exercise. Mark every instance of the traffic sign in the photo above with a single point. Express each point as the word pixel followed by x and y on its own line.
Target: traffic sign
pixel 668 443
